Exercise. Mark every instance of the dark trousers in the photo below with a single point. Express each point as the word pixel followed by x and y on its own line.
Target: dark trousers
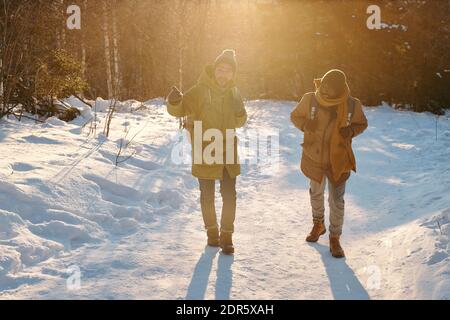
pixel 207 201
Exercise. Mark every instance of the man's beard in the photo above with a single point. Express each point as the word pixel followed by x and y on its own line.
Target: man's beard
pixel 222 82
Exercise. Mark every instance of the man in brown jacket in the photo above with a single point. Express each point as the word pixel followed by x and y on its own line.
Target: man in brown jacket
pixel 330 118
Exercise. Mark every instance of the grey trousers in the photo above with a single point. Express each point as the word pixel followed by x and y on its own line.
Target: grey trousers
pixel 335 201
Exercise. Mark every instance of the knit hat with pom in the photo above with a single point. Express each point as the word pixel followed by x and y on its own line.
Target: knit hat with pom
pixel 228 56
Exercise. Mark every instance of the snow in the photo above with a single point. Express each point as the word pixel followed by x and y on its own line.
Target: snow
pixel 135 230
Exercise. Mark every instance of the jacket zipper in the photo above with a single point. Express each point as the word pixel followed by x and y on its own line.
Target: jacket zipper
pixel 323 139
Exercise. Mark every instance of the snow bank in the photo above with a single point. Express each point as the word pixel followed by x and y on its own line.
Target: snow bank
pixel 64 202
pixel 57 193
pixel 434 281
pixel 102 105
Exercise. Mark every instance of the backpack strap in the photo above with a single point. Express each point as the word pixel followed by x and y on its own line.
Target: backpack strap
pixel 208 98
pixel 235 93
pixel 351 102
pixel 313 105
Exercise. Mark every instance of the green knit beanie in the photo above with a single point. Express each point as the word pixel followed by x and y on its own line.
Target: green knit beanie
pixel 228 56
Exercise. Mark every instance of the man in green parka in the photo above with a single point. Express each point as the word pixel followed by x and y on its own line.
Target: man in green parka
pixel 214 105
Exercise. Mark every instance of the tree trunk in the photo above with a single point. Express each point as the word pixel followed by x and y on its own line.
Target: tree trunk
pixel 83 44
pixel 180 37
pixel 2 101
pixel 63 27
pixel 117 76
pixel 107 50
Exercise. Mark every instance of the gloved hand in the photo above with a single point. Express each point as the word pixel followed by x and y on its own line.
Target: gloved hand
pixel 310 125
pixel 175 96
pixel 346 132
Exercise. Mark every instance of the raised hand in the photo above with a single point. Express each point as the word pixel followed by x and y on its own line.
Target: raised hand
pixel 175 96
pixel 346 132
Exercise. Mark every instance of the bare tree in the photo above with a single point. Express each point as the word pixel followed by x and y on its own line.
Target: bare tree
pixel 83 43
pixel 1 87
pixel 115 35
pixel 107 49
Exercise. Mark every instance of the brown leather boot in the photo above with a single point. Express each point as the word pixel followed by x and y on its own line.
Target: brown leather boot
pixel 335 246
pixel 213 236
pixel 317 230
pixel 226 242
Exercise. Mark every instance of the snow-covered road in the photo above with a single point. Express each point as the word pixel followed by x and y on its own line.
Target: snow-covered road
pixel 135 231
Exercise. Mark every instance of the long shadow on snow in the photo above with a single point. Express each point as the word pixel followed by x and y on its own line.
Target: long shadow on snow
pixel 199 282
pixel 343 281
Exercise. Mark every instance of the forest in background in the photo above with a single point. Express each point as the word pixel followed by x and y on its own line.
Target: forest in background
pixel 138 49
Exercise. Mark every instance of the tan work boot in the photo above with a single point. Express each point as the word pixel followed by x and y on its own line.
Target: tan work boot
pixel 213 236
pixel 317 230
pixel 226 242
pixel 335 246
